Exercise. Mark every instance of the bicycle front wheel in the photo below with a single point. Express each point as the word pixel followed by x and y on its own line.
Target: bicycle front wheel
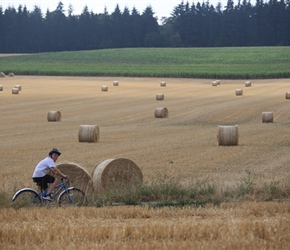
pixel 26 198
pixel 71 197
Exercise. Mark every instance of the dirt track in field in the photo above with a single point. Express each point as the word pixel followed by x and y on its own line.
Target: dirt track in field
pixel 182 146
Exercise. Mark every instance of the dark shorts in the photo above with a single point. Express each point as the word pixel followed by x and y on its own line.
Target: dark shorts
pixel 43 181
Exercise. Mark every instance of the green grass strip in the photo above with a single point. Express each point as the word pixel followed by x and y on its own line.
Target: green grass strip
pixel 228 62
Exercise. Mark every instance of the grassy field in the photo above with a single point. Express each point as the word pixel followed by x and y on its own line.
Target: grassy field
pixel 174 152
pixel 226 63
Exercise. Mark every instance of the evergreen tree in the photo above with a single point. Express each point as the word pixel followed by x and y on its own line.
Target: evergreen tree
pixel 36 37
pixel 150 28
pixel 136 26
pixel 72 36
pixel 56 30
pixel 10 31
pixel 1 28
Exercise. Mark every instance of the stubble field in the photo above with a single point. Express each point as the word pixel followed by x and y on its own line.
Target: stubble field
pixel 182 146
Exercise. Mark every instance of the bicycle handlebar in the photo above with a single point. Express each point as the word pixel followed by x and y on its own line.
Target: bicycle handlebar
pixel 64 179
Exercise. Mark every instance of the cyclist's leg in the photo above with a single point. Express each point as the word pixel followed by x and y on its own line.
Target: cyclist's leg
pixel 52 183
pixel 41 183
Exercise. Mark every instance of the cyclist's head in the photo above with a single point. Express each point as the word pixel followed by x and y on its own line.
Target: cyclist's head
pixel 54 151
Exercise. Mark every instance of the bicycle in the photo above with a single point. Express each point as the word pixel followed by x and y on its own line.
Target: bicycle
pixel 64 196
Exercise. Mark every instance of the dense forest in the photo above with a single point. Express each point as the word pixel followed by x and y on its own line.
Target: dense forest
pixel 189 25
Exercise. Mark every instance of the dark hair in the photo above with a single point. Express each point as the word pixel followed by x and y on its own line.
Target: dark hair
pixel 54 151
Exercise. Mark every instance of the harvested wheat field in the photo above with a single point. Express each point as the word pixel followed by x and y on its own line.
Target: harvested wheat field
pixel 232 226
pixel 182 147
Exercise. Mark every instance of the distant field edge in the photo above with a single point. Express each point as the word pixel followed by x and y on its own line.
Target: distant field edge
pixel 209 63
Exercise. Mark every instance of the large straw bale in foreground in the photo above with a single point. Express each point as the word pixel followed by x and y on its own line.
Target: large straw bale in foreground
pixel 228 135
pixel 267 117
pixel 78 176
pixel 115 174
pixel 53 116
pixel 287 96
pixel 161 112
pixel 89 133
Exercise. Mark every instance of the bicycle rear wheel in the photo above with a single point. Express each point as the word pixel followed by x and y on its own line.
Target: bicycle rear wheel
pixel 71 197
pixel 26 198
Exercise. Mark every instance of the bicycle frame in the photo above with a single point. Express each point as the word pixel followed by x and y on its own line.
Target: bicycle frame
pixel 59 187
pixel 62 187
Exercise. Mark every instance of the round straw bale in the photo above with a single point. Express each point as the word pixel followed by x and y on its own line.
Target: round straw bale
pixel 11 74
pixel 15 91
pixel 239 92
pixel 159 96
pixel 54 116
pixel 115 174
pixel 89 133
pixel 214 83
pixel 163 84
pixel 218 82
pixel 248 84
pixel 287 96
pixel 2 74
pixel 78 176
pixel 267 117
pixel 104 88
pixel 161 113
pixel 115 83
pixel 228 135
pixel 1 88
pixel 18 87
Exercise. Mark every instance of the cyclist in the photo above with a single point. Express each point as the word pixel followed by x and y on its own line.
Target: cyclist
pixel 40 176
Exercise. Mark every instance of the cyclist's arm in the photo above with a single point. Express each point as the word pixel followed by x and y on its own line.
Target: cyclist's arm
pixel 56 171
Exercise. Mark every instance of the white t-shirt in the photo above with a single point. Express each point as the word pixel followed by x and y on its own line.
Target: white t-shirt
pixel 43 166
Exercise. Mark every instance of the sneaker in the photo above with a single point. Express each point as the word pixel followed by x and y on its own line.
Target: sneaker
pixel 47 198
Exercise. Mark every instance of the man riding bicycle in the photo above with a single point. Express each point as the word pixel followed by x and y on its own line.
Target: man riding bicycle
pixel 40 176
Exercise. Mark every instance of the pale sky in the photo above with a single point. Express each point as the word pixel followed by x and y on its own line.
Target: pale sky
pixel 160 8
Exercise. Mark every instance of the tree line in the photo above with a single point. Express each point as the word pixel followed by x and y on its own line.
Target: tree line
pixel 189 25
